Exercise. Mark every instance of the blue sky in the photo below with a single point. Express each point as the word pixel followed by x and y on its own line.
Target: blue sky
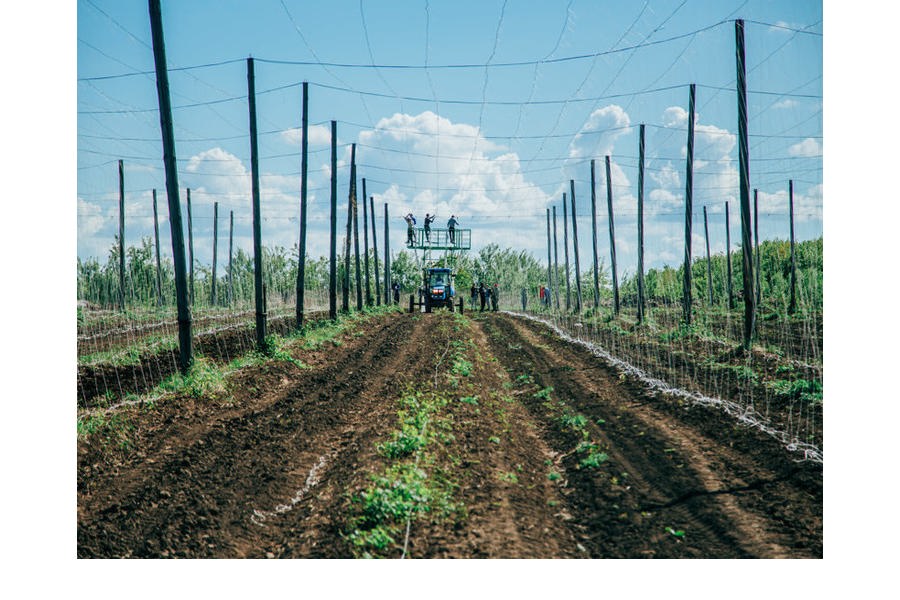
pixel 481 109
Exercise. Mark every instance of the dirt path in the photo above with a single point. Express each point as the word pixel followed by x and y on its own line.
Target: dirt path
pixel 509 467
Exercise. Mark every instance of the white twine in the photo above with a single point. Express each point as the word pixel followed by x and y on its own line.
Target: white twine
pixel 745 415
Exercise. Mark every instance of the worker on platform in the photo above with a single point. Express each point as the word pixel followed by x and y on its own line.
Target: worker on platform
pixel 451 228
pixel 410 231
pixel 429 219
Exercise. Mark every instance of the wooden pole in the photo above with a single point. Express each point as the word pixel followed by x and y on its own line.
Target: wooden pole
pixel 687 291
pixel 730 288
pixel 355 206
pixel 190 245
pixel 121 236
pixel 640 224
pixel 345 292
pixel 756 244
pixel 594 237
pixel 744 176
pixel 575 246
pixel 185 354
pixel 159 291
pixel 332 273
pixel 214 298
pixel 549 264
pixel 257 230
pixel 375 251
pixel 792 307
pixel 365 204
pixel 566 251
pixel 387 258
pixel 555 284
pixel 709 284
pixel 612 238
pixel 230 258
pixel 304 166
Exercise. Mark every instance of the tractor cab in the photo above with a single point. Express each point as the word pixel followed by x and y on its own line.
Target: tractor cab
pixel 439 290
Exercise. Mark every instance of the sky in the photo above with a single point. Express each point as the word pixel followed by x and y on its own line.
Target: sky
pixel 485 110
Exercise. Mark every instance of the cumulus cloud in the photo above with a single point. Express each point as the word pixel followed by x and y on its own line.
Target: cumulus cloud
pixel 807 148
pixel 599 133
pixel 319 135
pixel 447 169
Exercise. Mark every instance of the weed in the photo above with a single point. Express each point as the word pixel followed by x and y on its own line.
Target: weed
pixel 577 422
pixel 543 394
pixel 494 439
pixel 470 400
pixel 554 476
pixel 509 477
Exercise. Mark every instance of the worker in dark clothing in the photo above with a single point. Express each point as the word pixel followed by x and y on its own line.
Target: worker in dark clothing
pixel 396 287
pixel 451 228
pixel 524 299
pixel 481 295
pixel 429 219
pixel 495 297
pixel 410 232
pixel 473 295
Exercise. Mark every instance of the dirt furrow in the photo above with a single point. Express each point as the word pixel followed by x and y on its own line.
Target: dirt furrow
pixel 669 488
pixel 201 495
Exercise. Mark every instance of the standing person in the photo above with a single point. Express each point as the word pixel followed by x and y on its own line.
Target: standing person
pixel 481 295
pixel 396 287
pixel 451 228
pixel 524 299
pixel 429 219
pixel 473 295
pixel 495 297
pixel 410 232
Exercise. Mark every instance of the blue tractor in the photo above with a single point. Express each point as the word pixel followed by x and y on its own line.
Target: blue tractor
pixel 438 290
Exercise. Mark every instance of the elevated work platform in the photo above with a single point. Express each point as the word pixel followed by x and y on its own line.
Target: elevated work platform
pixel 439 239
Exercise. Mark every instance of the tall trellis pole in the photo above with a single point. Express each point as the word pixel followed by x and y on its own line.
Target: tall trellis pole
pixel 555 284
pixel 744 176
pixel 792 307
pixel 332 265
pixel 345 292
pixel 594 237
pixel 375 252
pixel 689 209
pixel 190 225
pixel 756 244
pixel 231 258
pixel 355 207
pixel 365 204
pixel 566 251
pixel 304 165
pixel 214 298
pixel 575 247
pixel 122 235
pixel 709 284
pixel 387 257
pixel 612 238
pixel 185 353
pixel 549 264
pixel 159 291
pixel 729 286
pixel 259 291
pixel 640 227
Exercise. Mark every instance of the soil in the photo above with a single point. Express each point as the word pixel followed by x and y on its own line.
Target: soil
pixel 275 467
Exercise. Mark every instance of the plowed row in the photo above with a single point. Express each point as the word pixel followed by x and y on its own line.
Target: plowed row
pixel 277 468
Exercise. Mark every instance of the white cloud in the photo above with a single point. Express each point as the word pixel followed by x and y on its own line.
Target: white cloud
pixel 600 132
pixel 807 148
pixel 786 103
pixel 319 135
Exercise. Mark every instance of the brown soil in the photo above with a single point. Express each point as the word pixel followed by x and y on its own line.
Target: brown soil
pixel 272 469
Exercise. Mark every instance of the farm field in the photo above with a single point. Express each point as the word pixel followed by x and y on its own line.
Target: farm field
pixel 483 435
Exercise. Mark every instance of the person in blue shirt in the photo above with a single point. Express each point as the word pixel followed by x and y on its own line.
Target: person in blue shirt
pixel 451 228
